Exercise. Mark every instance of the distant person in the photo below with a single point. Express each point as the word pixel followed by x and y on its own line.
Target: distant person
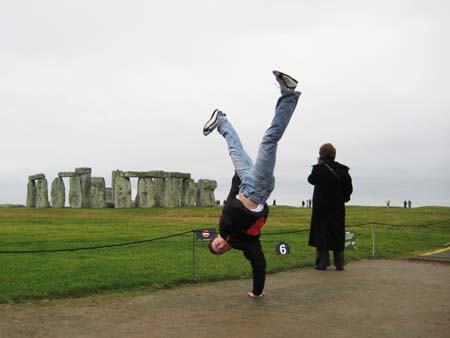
pixel 409 203
pixel 274 203
pixel 388 203
pixel 404 204
pixel 303 204
pixel 246 210
pixel 332 188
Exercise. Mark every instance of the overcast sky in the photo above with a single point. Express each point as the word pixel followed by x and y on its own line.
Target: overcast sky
pixel 129 84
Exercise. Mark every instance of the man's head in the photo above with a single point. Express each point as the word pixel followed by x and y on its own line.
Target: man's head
pixel 327 152
pixel 218 245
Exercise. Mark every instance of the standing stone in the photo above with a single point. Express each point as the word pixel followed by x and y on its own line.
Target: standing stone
pixel 109 198
pixel 98 188
pixel 58 193
pixel 75 196
pixel 31 194
pixel 42 193
pixel 205 193
pixel 122 192
pixel 114 175
pixel 159 191
pixel 145 193
pixel 188 194
pixel 172 192
pixel 85 176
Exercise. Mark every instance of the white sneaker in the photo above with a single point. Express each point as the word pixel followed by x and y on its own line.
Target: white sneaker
pixel 285 81
pixel 211 124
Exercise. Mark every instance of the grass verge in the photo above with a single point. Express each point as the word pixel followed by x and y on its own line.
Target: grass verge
pixel 177 260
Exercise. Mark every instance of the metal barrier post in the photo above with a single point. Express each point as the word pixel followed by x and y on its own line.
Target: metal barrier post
pixel 193 255
pixel 373 239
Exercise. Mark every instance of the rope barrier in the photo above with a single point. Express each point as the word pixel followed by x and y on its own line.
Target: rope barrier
pixel 194 231
pixel 413 225
pixel 94 247
pixel 283 232
pixel 358 225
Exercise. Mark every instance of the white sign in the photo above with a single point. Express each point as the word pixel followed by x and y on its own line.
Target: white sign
pixel 350 240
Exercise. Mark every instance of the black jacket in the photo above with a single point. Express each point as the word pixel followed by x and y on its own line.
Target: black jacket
pixel 241 228
pixel 238 223
pixel 332 188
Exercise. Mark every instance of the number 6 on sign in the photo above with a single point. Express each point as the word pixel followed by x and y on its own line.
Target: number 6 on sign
pixel 283 248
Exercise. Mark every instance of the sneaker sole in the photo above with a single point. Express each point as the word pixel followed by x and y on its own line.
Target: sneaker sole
pixel 252 296
pixel 282 76
pixel 211 124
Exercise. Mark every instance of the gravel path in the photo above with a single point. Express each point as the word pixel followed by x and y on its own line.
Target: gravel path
pixel 371 298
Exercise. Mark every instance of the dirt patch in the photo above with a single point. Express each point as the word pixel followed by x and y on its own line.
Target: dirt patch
pixel 377 298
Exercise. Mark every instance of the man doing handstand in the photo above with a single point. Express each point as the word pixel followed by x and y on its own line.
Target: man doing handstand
pixel 246 211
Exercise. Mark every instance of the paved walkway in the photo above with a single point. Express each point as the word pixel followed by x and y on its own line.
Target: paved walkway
pixel 442 255
pixel 375 298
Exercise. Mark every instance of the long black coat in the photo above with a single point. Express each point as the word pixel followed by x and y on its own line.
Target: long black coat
pixel 331 191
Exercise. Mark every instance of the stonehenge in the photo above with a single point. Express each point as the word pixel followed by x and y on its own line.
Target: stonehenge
pixel 58 193
pixel 205 192
pixel 37 195
pixel 145 197
pixel 98 193
pixel 155 189
pixel 31 194
pixel 85 181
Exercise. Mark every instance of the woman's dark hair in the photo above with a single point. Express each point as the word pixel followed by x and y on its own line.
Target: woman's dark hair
pixel 327 152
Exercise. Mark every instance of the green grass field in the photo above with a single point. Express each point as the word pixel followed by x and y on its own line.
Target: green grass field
pixel 177 260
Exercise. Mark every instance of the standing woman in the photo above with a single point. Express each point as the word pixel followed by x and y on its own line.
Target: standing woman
pixel 332 188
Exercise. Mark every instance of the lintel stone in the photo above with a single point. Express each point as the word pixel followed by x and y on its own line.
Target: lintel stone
pixel 36 177
pixel 179 175
pixel 83 171
pixel 153 174
pixel 68 174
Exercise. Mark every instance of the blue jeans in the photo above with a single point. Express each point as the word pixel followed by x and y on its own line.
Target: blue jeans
pixel 257 180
